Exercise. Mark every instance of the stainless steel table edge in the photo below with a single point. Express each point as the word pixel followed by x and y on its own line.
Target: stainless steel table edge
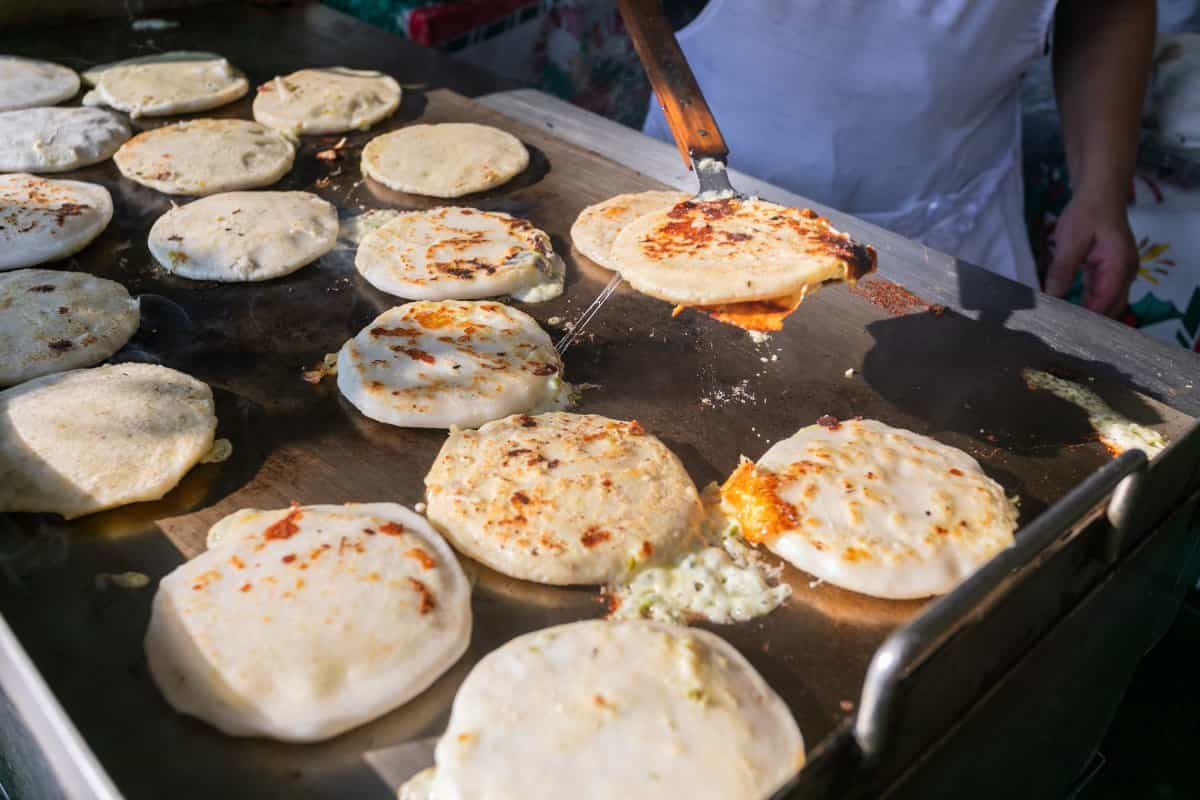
pixel 67 756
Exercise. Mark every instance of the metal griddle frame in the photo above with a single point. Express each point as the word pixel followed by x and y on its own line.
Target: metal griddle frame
pixel 943 688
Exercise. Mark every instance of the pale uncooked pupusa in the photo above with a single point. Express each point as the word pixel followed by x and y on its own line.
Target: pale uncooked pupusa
pixel 597 226
pixel 331 100
pixel 437 364
pixel 26 83
pixel 871 508
pixel 563 498
pixel 244 236
pixel 54 321
pixel 77 442
pixel 165 83
pixel 450 159
pixel 206 156
pixel 58 139
pixel 631 710
pixel 46 220
pixel 298 624
pixel 461 254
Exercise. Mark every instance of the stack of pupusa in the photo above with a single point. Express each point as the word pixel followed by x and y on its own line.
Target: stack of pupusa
pixel 745 262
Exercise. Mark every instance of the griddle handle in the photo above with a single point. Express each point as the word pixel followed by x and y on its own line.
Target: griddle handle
pixel 1122 512
pixel 692 123
pixel 877 724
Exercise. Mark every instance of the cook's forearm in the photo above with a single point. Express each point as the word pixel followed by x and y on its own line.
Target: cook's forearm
pixel 1102 55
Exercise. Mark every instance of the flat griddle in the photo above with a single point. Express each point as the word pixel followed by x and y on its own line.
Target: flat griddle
pixel 709 391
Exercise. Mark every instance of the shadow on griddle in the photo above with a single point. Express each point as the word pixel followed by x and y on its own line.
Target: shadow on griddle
pixel 698 467
pixel 37 540
pixel 993 296
pixel 572 272
pixel 962 376
pixel 412 106
pixel 584 265
pixel 499 199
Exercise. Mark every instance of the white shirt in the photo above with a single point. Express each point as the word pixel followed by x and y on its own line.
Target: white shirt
pixel 902 112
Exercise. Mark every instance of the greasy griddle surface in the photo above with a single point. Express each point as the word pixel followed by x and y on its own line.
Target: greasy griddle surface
pixel 707 390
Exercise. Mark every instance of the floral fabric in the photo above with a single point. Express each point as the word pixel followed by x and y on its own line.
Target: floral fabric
pixel 580 51
pixel 1164 213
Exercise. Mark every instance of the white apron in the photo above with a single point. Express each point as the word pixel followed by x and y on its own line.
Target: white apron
pixel 901 112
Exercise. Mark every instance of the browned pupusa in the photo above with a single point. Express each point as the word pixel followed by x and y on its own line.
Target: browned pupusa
pixel 52 321
pixel 300 623
pixel 598 225
pixel 875 509
pixel 453 253
pixel 562 498
pixel 453 362
pixel 43 219
pixel 703 253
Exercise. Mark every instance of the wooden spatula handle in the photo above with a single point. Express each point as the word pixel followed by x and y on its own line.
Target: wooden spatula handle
pixel 696 132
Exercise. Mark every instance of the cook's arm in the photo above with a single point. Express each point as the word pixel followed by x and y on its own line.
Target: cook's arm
pixel 1102 53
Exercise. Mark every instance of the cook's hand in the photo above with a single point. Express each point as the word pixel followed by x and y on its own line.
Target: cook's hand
pixel 1095 237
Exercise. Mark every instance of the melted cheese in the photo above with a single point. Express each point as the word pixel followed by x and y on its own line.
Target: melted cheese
pixel 719 584
pixel 1116 431
pixel 756 315
pixel 723 582
pixel 753 499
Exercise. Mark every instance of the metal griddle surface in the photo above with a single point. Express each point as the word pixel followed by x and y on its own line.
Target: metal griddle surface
pixel 707 390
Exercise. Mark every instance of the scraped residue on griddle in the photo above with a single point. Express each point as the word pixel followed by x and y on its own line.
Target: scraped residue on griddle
pixel 327 366
pixel 1117 432
pixel 893 298
pixel 737 393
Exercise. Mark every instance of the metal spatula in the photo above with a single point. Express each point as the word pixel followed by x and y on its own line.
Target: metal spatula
pixel 691 121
